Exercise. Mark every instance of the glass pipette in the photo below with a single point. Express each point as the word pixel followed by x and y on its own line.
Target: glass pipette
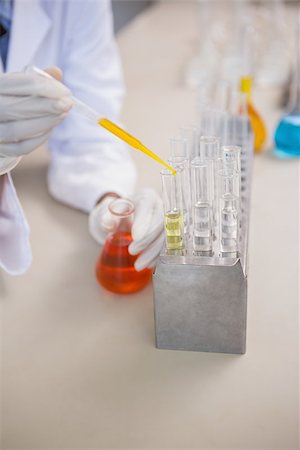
pixel 88 112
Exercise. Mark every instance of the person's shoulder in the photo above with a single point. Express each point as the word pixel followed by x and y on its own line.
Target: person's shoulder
pixel 76 6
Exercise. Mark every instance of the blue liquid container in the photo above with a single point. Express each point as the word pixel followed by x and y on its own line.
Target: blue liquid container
pixel 287 136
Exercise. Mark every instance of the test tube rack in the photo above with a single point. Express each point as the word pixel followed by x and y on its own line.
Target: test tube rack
pixel 200 303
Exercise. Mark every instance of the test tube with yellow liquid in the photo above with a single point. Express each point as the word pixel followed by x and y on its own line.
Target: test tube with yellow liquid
pixel 172 190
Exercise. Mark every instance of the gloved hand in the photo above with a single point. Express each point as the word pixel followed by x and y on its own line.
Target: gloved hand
pixel 147 228
pixel 30 106
pixel 101 221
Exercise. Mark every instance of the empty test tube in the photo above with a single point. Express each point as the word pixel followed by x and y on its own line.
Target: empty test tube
pixel 182 164
pixel 202 213
pixel 190 134
pixel 173 210
pixel 231 155
pixel 209 151
pixel 228 182
pixel 209 147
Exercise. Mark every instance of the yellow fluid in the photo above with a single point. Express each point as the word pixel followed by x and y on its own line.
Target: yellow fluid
pixel 257 123
pixel 132 141
pixel 174 231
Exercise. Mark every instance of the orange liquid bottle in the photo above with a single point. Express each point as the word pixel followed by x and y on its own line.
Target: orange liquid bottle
pixel 115 267
pixel 257 123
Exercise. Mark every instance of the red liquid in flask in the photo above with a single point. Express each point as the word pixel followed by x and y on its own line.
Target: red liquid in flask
pixel 115 268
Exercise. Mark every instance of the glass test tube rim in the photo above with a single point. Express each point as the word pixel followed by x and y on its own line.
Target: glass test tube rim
pixel 237 148
pixel 209 138
pixel 198 165
pixel 177 160
pixel 167 173
pixel 209 141
pixel 191 134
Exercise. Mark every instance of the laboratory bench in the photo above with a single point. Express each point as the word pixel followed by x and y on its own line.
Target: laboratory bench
pixel 79 367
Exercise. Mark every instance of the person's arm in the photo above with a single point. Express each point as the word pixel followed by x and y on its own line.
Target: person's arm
pixel 87 161
pixel 30 107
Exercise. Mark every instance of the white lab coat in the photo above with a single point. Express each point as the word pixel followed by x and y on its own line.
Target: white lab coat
pixel 86 161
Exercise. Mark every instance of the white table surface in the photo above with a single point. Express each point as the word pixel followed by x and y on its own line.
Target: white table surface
pixel 79 366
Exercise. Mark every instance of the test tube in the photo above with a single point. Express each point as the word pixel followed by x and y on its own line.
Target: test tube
pixel 209 147
pixel 202 213
pixel 183 166
pixel 173 210
pixel 209 151
pixel 231 155
pixel 178 147
pixel 229 211
pixel 190 134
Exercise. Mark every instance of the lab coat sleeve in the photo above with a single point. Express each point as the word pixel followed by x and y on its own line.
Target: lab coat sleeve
pixel 15 251
pixel 86 161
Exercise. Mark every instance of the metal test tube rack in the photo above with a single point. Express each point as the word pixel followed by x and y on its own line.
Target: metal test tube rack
pixel 200 303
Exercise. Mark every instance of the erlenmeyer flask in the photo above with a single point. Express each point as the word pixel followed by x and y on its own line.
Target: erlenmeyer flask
pixel 115 267
pixel 287 134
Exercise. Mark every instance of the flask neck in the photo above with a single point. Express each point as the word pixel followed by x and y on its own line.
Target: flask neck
pixel 246 87
pixel 122 210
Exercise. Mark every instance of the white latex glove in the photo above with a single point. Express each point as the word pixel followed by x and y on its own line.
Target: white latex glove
pixel 147 229
pixel 101 221
pixel 30 106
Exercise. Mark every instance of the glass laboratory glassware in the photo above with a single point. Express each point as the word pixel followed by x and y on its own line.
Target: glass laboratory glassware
pixel 115 267
pixel 173 211
pixel 179 161
pixel 287 134
pixel 228 182
pixel 247 37
pixel 209 151
pixel 209 147
pixel 202 213
pixel 257 123
pixel 237 131
pixel 183 165
pixel 231 155
pixel 190 134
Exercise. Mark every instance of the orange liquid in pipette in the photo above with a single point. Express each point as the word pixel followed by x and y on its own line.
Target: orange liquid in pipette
pixel 132 141
pixel 115 268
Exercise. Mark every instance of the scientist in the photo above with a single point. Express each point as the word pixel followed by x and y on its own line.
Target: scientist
pixel 88 166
